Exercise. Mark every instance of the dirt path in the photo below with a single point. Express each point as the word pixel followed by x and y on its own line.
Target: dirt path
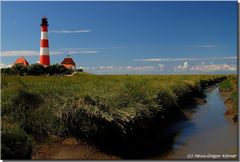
pixel 68 149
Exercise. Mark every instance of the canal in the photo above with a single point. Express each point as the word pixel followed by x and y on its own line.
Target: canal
pixel 206 134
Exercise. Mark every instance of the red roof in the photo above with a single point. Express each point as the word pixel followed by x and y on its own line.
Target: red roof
pixel 22 61
pixel 68 61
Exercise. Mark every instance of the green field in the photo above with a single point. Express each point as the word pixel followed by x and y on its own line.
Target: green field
pixel 94 107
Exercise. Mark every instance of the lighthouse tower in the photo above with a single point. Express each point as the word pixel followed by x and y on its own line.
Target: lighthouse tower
pixel 44 50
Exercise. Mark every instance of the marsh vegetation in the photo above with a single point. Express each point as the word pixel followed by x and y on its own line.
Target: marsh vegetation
pixel 110 110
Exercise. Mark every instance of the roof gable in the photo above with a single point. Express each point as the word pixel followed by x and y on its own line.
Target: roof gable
pixel 68 61
pixel 22 61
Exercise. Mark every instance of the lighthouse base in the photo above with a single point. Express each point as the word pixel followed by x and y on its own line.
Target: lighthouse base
pixel 44 60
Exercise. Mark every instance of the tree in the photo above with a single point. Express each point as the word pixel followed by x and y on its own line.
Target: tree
pixel 37 69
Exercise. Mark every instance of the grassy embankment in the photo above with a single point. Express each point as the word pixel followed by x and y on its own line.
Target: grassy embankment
pixel 229 90
pixel 110 110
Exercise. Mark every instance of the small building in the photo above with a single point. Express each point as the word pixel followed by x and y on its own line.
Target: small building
pixel 69 63
pixel 21 60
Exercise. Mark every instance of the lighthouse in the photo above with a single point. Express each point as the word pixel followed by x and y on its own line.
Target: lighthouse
pixel 44 46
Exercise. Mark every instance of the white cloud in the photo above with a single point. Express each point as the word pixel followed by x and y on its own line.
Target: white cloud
pixel 161 67
pixel 2 65
pixel 126 68
pixel 19 53
pixel 141 68
pixel 149 60
pixel 118 47
pixel 70 31
pixel 206 67
pixel 84 48
pixel 214 67
pixel 105 67
pixel 82 52
pixel 205 46
pixel 184 59
pixel 55 52
pixel 182 67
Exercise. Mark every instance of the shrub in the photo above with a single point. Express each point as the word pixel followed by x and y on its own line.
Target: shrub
pixel 16 144
pixel 6 71
pixel 36 69
pixel 57 69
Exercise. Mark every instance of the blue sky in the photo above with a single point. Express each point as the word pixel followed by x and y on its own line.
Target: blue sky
pixel 126 37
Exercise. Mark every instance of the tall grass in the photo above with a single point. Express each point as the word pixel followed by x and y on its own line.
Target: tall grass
pixel 230 85
pixel 96 107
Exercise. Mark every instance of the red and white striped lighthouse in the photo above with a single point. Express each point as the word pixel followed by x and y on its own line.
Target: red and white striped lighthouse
pixel 44 47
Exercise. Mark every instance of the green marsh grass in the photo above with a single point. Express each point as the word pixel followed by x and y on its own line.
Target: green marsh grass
pixel 95 106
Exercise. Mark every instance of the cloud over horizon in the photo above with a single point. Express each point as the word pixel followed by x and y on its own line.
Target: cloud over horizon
pixel 124 69
pixel 70 31
pixel 161 69
pixel 2 65
pixel 54 52
pixel 182 67
pixel 184 59
pixel 214 67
